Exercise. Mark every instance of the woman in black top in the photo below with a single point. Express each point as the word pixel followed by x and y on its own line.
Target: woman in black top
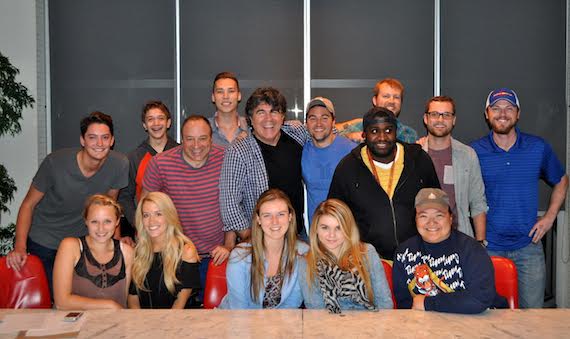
pixel 165 269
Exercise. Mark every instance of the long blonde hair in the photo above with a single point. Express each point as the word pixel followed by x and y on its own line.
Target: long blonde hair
pixel 258 247
pixel 353 253
pixel 175 240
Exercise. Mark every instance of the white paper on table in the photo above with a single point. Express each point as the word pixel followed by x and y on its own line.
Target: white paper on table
pixel 54 325
pixel 22 321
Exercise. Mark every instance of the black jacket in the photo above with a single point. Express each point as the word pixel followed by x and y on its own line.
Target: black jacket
pixel 383 223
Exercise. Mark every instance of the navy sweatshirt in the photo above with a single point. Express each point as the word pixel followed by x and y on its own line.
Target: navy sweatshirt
pixel 456 275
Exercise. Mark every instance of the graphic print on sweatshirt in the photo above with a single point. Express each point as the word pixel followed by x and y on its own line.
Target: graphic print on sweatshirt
pixel 429 275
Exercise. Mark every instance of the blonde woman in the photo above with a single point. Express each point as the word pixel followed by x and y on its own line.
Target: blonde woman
pixel 93 271
pixel 340 272
pixel 165 269
pixel 263 273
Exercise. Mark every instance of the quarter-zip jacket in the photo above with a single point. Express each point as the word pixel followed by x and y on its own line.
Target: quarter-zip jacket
pixel 383 222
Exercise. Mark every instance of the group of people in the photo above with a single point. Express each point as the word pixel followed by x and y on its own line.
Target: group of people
pixel 233 190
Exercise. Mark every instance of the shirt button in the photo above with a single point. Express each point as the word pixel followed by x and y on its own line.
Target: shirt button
pixel 508 163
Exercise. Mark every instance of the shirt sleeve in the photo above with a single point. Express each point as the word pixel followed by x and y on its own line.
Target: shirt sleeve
pixel 127 194
pixel 237 273
pixel 399 277
pixel 477 200
pixel 551 169
pixel 43 179
pixel 382 293
pixel 232 190
pixel 189 275
pixel 479 292
pixel 152 180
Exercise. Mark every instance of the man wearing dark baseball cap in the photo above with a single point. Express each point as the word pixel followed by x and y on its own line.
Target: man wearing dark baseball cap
pixel 379 179
pixel 442 269
pixel 512 162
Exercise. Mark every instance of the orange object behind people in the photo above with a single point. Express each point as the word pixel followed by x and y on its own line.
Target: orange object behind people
pixel 506 282
pixel 216 287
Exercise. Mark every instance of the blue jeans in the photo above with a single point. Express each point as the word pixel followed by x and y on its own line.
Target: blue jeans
pixel 47 257
pixel 531 270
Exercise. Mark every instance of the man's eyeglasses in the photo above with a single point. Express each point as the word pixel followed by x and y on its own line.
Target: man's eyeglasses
pixel 445 115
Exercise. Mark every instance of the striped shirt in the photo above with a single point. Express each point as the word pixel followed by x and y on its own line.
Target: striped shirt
pixel 194 191
pixel 511 185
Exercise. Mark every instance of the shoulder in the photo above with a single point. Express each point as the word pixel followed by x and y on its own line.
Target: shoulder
pixel 241 252
pixel 189 253
pixel 302 247
pixel 69 244
pixel 217 152
pixel 411 243
pixel 343 141
pixel 481 144
pixel 240 146
pixel 128 251
pixel 167 156
pixel 458 146
pixel 118 157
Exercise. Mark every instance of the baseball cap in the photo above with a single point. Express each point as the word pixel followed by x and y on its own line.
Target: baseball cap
pixel 323 102
pixel 432 198
pixel 502 94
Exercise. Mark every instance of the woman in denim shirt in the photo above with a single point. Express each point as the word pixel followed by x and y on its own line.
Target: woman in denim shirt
pixel 264 272
pixel 340 272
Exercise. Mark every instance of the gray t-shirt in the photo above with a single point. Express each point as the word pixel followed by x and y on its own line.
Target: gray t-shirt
pixel 59 213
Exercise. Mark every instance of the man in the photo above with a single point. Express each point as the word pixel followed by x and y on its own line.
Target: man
pixel 53 207
pixel 388 93
pixel 268 158
pixel 512 162
pixel 227 124
pixel 442 269
pixel 457 168
pixel 379 180
pixel 156 121
pixel 322 153
pixel 190 175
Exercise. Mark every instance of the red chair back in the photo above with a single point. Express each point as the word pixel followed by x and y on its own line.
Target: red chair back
pixel 26 288
pixel 216 287
pixel 388 270
pixel 506 282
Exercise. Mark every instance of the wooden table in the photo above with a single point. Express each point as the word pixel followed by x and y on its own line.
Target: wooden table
pixel 165 324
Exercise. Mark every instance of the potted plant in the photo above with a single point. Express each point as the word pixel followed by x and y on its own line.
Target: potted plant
pixel 14 97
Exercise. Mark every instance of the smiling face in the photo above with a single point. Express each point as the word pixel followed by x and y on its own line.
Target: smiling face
pixel 97 141
pixel 434 224
pixel 156 123
pixel 274 218
pixel 502 116
pixel 101 222
pixel 439 126
pixel 388 97
pixel 226 95
pixel 330 234
pixel 196 142
pixel 154 221
pixel 380 138
pixel 267 123
pixel 320 123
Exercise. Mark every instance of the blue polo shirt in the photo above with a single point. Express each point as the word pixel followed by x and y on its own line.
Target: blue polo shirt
pixel 511 186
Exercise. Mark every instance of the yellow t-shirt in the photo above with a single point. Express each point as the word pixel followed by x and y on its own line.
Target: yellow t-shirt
pixel 384 170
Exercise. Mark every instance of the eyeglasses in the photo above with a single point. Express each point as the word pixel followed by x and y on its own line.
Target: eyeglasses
pixel 444 115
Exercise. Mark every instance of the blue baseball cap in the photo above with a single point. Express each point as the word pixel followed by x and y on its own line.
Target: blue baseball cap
pixel 503 94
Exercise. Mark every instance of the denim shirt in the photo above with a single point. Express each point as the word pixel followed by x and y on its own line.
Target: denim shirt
pixel 238 278
pixel 313 296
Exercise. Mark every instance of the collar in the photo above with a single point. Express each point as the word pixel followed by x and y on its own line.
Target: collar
pixel 496 148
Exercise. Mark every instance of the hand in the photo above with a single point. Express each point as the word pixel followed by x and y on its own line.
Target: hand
pixel 543 225
pixel 128 241
pixel 219 254
pixel 16 259
pixel 418 303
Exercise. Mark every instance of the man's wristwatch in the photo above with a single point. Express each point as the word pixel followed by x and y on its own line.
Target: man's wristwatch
pixel 483 242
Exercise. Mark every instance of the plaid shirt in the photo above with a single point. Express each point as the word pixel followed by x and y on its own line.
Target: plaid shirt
pixel 244 177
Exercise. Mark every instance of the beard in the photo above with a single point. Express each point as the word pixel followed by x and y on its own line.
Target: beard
pixel 502 127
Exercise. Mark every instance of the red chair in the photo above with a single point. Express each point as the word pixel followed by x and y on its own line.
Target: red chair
pixel 27 288
pixel 216 287
pixel 506 282
pixel 388 270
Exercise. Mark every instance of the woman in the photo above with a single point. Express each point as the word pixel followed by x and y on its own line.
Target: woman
pixel 165 269
pixel 93 271
pixel 340 272
pixel 263 273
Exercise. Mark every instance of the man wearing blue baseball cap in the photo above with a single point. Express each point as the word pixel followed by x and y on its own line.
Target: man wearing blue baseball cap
pixel 512 162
